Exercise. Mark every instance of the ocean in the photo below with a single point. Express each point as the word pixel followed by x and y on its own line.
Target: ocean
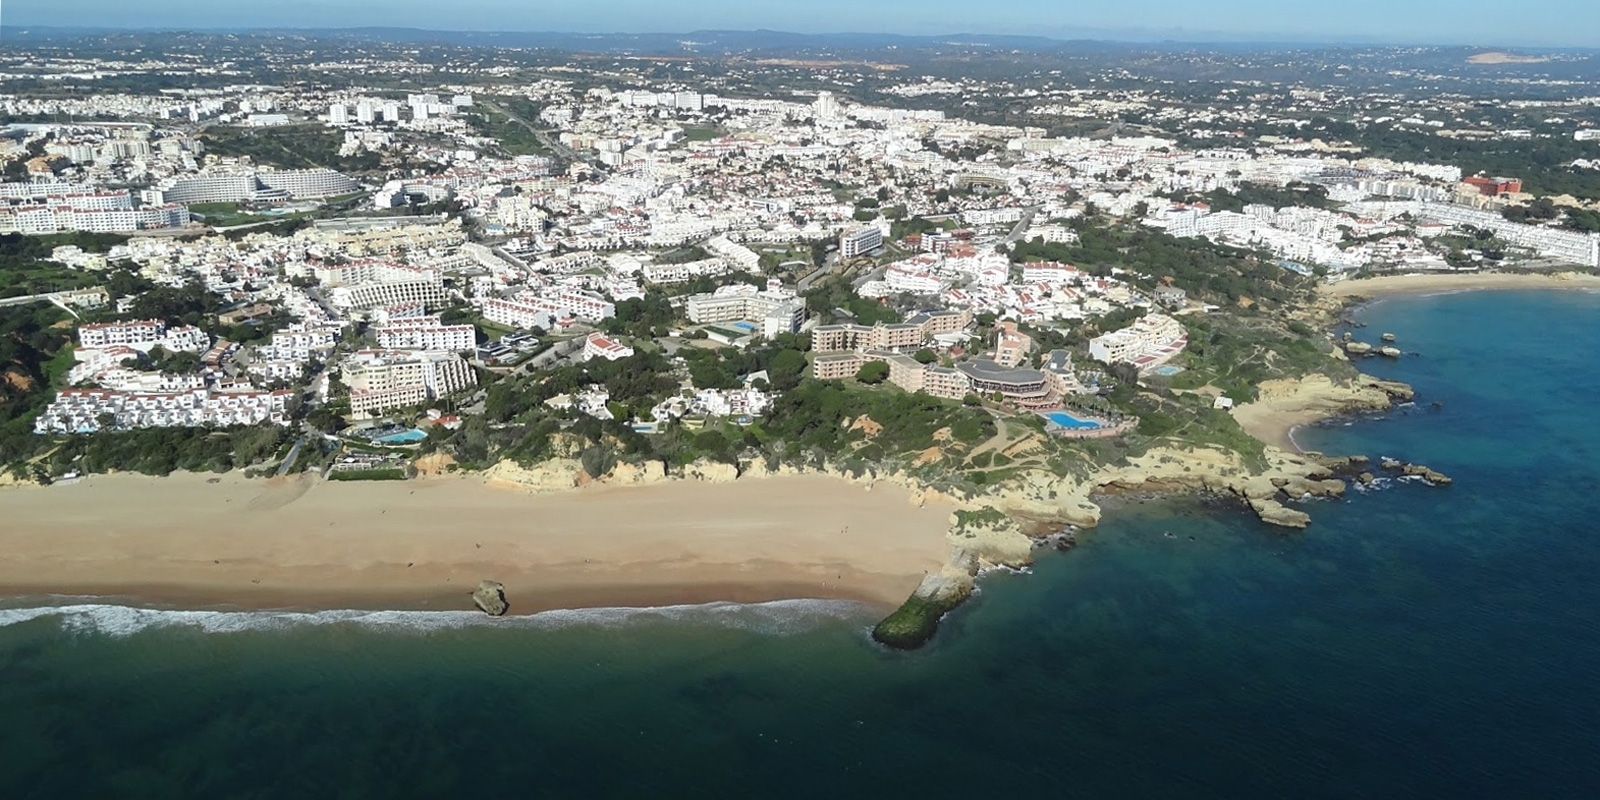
pixel 1416 641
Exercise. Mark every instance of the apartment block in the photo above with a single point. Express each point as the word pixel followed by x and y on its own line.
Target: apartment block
pixel 1149 342
pixel 85 410
pixel 142 335
pixel 425 333
pixel 385 379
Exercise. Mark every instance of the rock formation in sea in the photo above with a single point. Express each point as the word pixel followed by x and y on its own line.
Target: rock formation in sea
pixel 1416 470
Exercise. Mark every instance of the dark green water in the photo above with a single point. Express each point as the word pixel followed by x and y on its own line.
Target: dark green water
pixel 1415 642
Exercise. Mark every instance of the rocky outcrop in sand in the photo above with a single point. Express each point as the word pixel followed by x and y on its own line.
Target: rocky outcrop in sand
pixel 490 598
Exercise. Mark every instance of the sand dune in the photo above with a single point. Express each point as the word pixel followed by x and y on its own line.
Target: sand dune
pixel 303 543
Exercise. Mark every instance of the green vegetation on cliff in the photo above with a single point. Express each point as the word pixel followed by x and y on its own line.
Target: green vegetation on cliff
pixel 1226 276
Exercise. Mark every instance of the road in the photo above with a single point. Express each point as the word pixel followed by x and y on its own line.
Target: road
pixel 51 297
pixel 543 136
pixel 1023 224
pixel 288 461
pixel 828 266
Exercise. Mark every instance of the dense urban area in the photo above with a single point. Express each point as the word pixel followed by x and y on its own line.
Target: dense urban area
pixel 369 258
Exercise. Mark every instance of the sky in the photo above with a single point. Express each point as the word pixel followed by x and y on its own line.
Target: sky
pixel 1488 23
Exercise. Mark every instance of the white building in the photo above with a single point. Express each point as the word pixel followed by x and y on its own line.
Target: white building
pixel 385 379
pixel 425 333
pixel 1148 343
pixel 860 241
pixel 1579 248
pixel 262 185
pixel 520 314
pixel 85 410
pixel 599 345
pixel 777 309
pixel 428 290
pixel 143 335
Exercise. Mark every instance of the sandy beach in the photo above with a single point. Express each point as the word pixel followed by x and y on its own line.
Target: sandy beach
pixel 1411 284
pixel 186 541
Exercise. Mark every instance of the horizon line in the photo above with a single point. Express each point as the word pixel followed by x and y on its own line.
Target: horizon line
pixel 1108 37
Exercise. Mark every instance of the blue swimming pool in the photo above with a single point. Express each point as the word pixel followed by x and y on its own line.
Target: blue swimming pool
pixel 1168 370
pixel 1065 420
pixel 743 326
pixel 404 437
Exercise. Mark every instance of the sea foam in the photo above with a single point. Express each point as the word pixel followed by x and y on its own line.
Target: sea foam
pixel 777 617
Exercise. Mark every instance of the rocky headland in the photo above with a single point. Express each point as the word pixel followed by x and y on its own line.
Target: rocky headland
pixel 1003 525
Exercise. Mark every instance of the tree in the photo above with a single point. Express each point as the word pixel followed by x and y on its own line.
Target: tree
pixel 711 442
pixel 873 372
pixel 786 369
pixel 925 356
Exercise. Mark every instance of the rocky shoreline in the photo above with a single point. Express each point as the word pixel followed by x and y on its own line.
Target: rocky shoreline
pixel 1005 525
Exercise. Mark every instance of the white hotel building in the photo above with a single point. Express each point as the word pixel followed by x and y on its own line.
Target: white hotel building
pixel 385 379
pixel 258 186
pixel 425 289
pixel 777 309
pixel 520 314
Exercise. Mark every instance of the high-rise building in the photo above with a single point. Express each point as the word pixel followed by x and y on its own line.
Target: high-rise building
pixel 826 107
pixel 338 114
pixel 366 113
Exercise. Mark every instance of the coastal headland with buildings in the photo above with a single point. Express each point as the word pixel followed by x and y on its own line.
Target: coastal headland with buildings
pixel 557 537
pixel 560 539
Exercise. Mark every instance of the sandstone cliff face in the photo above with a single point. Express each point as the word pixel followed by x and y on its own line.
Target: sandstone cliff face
pixel 709 472
pixel 555 475
pixel 642 474
pixel 998 542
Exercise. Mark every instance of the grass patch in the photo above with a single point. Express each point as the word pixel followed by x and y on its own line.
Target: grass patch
pixel 368 475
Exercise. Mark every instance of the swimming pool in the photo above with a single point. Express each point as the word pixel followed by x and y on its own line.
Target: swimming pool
pixel 404 437
pixel 747 327
pixel 1064 420
pixel 1167 370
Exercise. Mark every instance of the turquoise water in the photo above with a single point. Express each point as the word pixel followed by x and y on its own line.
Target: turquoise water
pixel 1415 642
pixel 1065 420
pixel 403 437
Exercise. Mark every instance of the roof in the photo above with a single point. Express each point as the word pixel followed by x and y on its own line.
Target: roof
pixel 989 370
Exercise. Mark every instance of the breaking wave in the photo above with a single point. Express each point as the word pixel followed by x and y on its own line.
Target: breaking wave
pixel 778 618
